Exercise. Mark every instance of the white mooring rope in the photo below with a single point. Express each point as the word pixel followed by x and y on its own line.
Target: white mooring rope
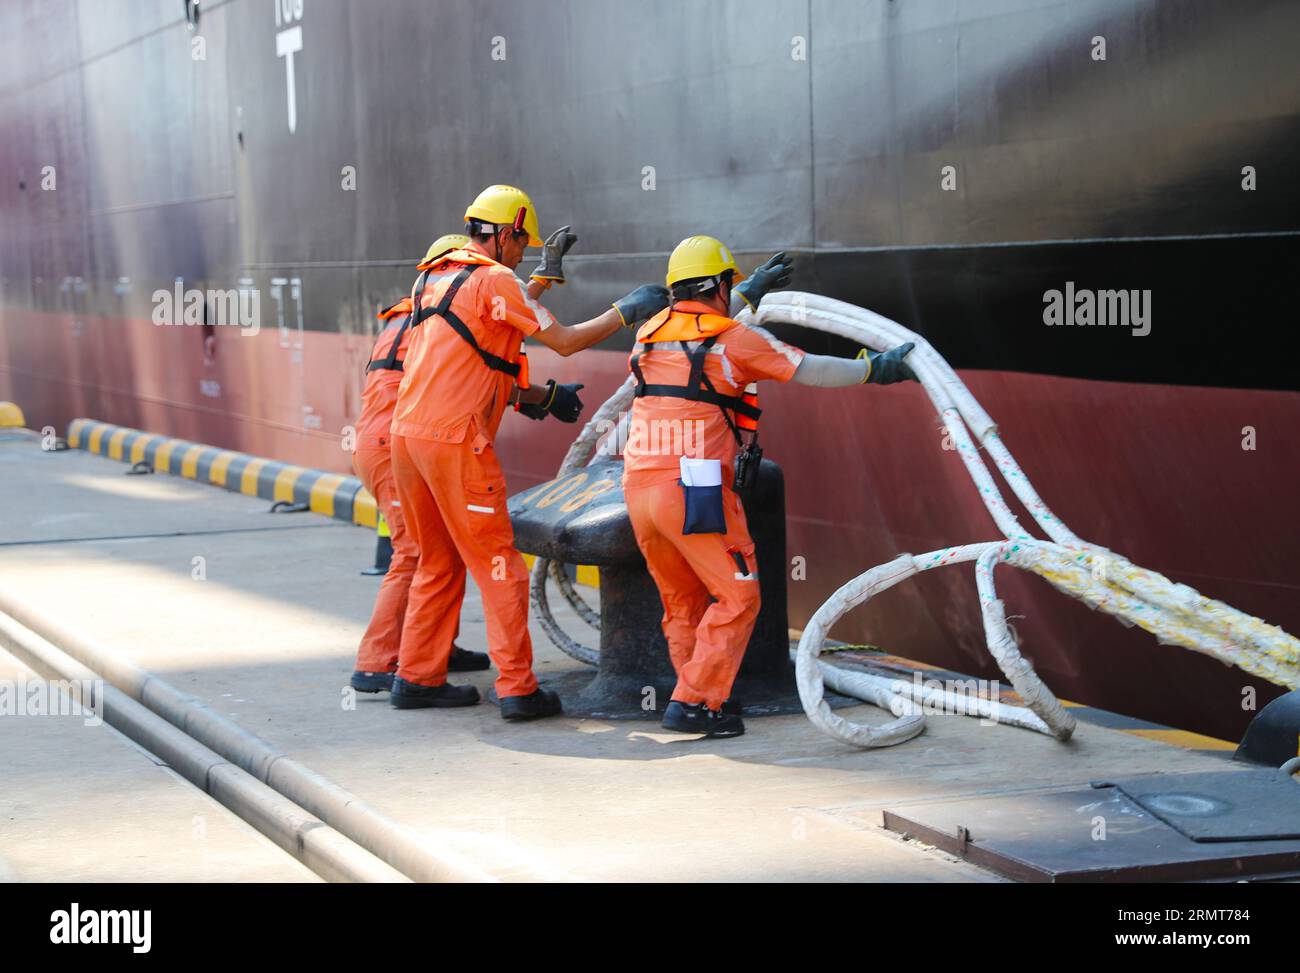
pixel 1174 613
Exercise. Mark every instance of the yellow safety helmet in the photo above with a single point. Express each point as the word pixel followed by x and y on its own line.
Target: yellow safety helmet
pixel 11 416
pixel 506 206
pixel 445 244
pixel 701 256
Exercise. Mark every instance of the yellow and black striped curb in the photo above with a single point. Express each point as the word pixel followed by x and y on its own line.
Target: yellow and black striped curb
pixel 331 494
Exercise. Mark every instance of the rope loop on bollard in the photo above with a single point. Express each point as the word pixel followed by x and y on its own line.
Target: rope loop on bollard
pixel 1174 613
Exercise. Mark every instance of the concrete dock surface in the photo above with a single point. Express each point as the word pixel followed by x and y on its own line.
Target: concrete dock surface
pixel 83 803
pixel 259 616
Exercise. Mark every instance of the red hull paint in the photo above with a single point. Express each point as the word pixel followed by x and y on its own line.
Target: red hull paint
pixel 1157 473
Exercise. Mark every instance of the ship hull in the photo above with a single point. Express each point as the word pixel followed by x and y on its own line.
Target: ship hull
pixel 1162 474
pixel 948 165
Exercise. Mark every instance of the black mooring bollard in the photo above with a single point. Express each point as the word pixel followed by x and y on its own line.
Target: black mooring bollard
pixel 582 519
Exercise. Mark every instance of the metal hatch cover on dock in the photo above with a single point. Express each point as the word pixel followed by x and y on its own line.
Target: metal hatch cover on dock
pixel 1254 805
pixel 1099 834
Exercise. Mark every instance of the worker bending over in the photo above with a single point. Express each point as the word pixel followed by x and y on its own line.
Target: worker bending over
pixel 372 459
pixel 472 314
pixel 695 367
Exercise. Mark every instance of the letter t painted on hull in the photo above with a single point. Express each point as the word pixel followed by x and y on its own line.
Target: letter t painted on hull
pixel 287 43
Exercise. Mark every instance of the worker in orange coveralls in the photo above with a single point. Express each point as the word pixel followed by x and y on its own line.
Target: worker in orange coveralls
pixel 372 460
pixel 695 367
pixel 464 358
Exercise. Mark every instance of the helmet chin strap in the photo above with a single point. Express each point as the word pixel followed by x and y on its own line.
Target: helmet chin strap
pixel 496 239
pixel 673 298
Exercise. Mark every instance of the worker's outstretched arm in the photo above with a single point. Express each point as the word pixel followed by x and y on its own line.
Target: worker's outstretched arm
pixel 644 302
pixel 569 339
pixel 829 372
pixel 883 368
pixel 533 395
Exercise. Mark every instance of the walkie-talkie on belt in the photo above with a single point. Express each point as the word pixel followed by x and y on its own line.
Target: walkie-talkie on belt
pixel 747 462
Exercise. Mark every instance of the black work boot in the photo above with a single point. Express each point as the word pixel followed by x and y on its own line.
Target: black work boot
pixel 411 695
pixel 463 660
pixel 698 718
pixel 372 682
pixel 541 702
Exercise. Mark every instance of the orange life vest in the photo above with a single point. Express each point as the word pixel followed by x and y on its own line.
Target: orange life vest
pixel 391 362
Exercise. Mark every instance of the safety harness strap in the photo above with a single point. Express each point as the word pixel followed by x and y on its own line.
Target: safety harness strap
pixel 754 410
pixel 698 387
pixel 390 363
pixel 443 310
pixel 711 396
pixel 390 360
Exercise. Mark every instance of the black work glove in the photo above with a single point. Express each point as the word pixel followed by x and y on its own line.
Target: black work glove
pixel 644 302
pixel 561 401
pixel 774 273
pixel 553 250
pixel 888 367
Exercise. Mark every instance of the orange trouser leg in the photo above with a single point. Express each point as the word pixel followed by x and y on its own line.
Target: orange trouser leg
pixel 706 641
pixel 379 646
pixel 682 593
pixel 438 586
pixel 457 512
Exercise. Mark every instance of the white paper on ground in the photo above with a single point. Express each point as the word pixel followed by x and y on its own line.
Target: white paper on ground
pixel 701 472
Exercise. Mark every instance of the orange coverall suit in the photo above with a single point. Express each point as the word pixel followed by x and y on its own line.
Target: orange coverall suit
pixel 373 461
pixel 706 640
pixel 453 493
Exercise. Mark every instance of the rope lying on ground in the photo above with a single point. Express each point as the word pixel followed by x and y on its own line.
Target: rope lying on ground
pixel 1174 613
